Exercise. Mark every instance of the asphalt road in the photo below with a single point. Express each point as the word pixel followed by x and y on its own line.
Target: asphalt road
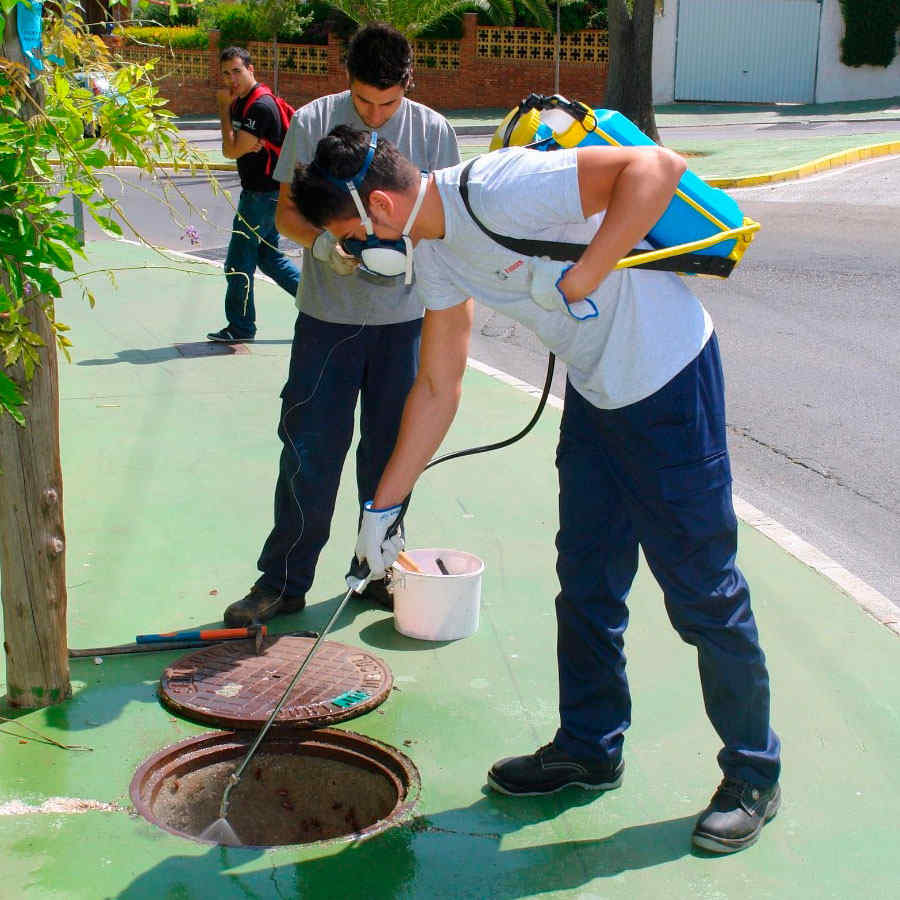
pixel 809 325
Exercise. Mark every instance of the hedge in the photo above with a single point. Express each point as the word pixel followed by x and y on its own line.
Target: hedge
pixel 181 38
pixel 870 32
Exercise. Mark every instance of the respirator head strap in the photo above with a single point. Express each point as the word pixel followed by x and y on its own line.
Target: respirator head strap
pixel 352 184
pixel 407 240
pixel 357 179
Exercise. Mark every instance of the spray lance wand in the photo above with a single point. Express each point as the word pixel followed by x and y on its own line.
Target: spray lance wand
pixel 220 831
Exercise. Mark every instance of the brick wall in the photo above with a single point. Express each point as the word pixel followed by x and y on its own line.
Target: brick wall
pixel 477 83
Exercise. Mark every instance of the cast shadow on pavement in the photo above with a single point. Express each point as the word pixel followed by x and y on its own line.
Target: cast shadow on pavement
pixel 194 350
pixel 121 679
pixel 433 856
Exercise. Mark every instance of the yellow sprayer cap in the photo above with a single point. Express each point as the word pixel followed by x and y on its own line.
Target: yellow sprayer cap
pixel 523 133
pixel 576 132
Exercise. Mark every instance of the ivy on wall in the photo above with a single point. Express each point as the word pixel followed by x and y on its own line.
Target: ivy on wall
pixel 870 32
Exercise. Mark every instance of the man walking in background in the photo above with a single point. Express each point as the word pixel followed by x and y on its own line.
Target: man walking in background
pixel 252 133
pixel 354 336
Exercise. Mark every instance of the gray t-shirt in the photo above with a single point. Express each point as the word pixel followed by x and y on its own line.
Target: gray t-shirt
pixel 420 134
pixel 649 325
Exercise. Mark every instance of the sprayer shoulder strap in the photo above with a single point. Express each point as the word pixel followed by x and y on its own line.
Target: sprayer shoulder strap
pixel 688 263
pixel 554 249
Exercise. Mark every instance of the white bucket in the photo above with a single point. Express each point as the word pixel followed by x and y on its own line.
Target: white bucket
pixel 431 606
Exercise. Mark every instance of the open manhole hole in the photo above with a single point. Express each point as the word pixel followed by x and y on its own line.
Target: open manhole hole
pixel 300 787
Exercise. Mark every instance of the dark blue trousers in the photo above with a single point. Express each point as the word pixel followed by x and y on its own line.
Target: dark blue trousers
pixel 656 474
pixel 331 366
pixel 254 243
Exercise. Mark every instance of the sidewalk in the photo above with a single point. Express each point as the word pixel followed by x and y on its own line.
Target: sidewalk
pixel 169 461
pixel 671 115
pixel 719 160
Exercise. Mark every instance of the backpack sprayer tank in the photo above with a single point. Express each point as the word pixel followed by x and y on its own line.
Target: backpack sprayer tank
pixel 701 221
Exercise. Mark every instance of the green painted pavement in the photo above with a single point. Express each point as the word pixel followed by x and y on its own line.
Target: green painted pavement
pixel 750 156
pixel 169 466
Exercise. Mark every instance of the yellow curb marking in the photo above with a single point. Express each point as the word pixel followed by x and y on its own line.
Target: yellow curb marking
pixel 832 161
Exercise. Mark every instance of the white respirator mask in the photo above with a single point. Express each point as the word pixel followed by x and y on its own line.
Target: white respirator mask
pixel 380 257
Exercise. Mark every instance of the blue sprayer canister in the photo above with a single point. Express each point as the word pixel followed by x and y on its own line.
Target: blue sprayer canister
pixel 697 211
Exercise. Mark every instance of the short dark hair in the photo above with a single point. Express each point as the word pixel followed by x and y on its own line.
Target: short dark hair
pixel 235 52
pixel 340 154
pixel 380 56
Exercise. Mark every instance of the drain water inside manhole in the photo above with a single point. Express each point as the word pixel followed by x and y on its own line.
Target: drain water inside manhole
pixel 327 784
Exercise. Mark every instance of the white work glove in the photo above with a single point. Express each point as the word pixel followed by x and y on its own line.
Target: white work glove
pixel 546 275
pixel 373 545
pixel 326 249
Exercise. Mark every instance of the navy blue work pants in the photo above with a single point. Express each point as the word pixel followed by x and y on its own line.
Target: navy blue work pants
pixel 331 366
pixel 656 474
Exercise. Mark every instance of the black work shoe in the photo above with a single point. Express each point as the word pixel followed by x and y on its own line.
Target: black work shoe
pixel 735 816
pixel 377 592
pixel 260 605
pixel 548 770
pixel 228 336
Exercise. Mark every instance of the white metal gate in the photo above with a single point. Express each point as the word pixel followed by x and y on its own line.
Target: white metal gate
pixel 750 51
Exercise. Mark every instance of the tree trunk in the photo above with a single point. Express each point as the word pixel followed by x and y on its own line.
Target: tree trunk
pixel 629 84
pixel 32 539
pixel 32 536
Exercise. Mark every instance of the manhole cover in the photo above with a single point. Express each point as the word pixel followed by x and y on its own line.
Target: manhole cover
pixel 229 686
pixel 300 787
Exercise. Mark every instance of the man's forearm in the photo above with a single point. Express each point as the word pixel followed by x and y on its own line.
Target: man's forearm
pixel 228 142
pixel 640 196
pixel 634 188
pixel 426 420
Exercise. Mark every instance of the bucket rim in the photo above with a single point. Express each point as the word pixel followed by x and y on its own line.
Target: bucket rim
pixel 438 550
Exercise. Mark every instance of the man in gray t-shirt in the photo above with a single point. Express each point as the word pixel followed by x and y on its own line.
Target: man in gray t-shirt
pixel 353 336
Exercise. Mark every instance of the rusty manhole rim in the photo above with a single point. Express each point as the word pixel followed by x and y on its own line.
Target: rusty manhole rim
pixel 222 746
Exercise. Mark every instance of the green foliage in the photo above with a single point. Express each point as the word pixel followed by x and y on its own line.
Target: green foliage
pixel 238 24
pixel 326 20
pixel 449 27
pixel 414 17
pixel 257 20
pixel 279 18
pixel 179 38
pixel 442 19
pixel 573 16
pixel 161 15
pixel 45 160
pixel 870 32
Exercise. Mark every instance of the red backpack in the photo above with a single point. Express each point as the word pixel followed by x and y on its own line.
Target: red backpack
pixel 285 110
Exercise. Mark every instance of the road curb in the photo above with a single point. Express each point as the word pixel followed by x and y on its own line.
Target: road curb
pixel 822 164
pixel 871 601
